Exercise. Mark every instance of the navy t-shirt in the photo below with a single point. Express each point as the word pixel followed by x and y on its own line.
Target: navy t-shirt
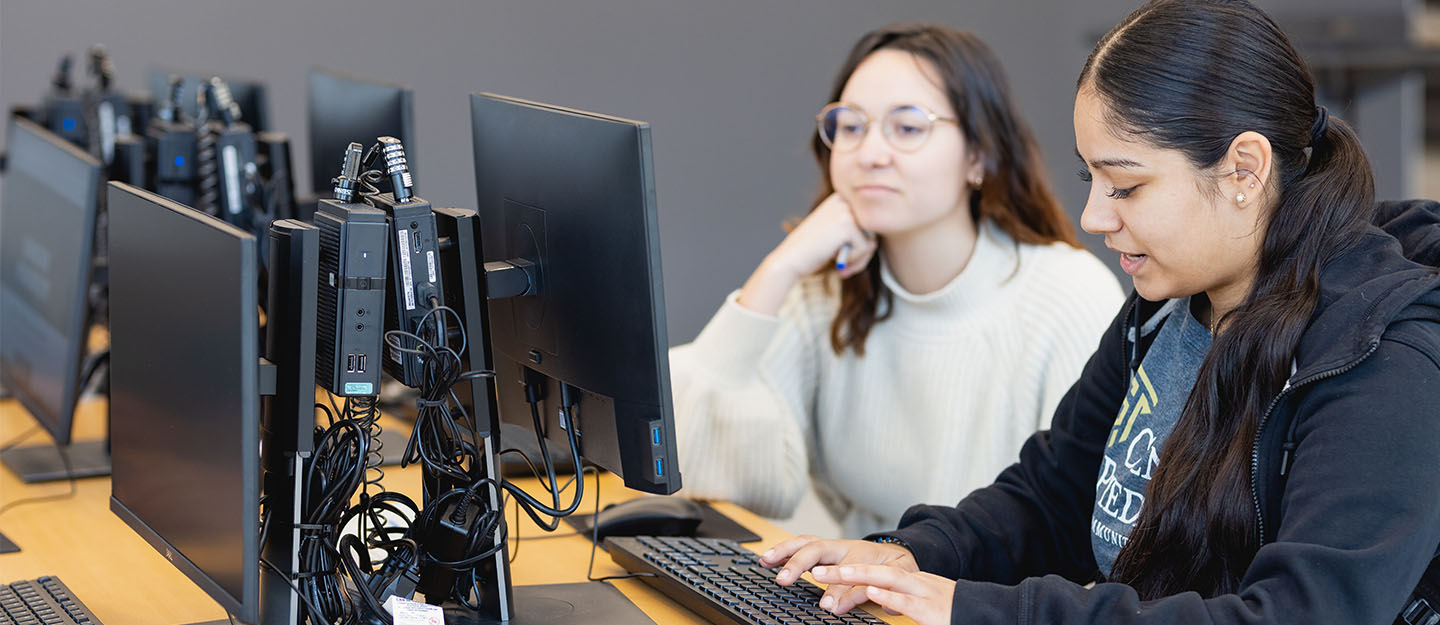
pixel 1158 391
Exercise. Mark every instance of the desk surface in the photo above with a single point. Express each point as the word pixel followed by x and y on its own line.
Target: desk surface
pixel 123 580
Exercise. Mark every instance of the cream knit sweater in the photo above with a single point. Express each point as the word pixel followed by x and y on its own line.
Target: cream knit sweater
pixel 949 387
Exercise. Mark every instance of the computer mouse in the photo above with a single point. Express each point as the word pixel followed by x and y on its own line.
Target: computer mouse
pixel 649 516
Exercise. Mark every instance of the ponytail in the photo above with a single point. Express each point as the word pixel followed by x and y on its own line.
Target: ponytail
pixel 1156 72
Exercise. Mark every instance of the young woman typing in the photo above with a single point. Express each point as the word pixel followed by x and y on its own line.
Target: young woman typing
pixel 1255 439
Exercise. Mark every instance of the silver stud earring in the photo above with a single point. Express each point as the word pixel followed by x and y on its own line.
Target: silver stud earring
pixel 1239 198
pixel 1252 185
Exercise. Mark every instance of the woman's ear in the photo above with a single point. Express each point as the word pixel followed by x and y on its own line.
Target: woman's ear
pixel 1249 164
pixel 975 170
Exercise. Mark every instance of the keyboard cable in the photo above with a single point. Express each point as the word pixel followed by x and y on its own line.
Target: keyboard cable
pixel 595 542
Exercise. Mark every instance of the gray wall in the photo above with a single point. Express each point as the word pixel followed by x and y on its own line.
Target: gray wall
pixel 728 87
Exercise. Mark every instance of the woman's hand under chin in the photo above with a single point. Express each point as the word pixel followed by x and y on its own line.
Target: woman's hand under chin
pixel 811 246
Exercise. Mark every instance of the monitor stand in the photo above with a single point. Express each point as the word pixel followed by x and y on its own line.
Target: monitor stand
pixel 7 545
pixel 586 603
pixel 43 463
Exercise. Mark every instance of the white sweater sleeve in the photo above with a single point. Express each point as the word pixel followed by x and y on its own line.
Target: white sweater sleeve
pixel 1085 299
pixel 744 394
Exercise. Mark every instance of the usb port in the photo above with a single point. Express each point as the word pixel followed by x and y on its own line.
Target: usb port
pixel 655 435
pixel 350 363
pixel 361 368
pixel 659 467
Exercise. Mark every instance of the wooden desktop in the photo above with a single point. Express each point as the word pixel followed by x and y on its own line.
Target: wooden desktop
pixel 123 581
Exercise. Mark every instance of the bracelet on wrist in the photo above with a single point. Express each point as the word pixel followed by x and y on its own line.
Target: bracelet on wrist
pixel 890 540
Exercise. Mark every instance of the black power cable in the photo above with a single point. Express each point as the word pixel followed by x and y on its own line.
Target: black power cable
pixel 445 442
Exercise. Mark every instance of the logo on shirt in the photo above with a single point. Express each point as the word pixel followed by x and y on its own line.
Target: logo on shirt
pixel 1112 495
pixel 1140 401
pixel 1148 413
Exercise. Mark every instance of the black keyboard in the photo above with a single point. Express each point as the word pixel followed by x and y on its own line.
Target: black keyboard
pixel 724 582
pixel 42 601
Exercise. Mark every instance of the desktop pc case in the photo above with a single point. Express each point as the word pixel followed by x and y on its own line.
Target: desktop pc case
pixel 351 308
pixel 415 281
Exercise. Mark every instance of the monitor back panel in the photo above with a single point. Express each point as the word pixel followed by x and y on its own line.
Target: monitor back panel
pixel 574 192
pixel 47 232
pixel 345 108
pixel 185 396
pixel 249 95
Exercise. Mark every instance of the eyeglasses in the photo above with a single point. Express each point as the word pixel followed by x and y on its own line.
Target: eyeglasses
pixel 906 127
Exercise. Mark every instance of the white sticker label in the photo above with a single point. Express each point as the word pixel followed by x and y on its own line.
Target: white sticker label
pixel 430 261
pixel 407 612
pixel 407 281
pixel 231 158
pixel 107 130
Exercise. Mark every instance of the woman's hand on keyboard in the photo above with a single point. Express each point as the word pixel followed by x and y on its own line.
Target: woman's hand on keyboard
pixel 804 553
pixel 925 598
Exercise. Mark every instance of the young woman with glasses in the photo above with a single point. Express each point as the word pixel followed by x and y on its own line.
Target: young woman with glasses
pixel 1256 438
pixel 920 322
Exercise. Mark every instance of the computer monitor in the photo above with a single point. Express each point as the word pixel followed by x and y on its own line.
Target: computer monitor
pixel 343 108
pixel 575 322
pixel 573 194
pixel 185 391
pixel 249 95
pixel 47 236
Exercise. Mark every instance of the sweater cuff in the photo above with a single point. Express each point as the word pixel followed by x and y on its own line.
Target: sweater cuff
pixel 735 339
pixel 987 602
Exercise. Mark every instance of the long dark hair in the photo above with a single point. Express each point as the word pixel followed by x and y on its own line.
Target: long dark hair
pixel 1015 192
pixel 1191 75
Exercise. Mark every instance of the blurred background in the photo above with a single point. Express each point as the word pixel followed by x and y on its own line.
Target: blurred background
pixel 729 88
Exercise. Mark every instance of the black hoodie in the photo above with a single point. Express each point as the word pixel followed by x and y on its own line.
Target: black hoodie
pixel 1345 473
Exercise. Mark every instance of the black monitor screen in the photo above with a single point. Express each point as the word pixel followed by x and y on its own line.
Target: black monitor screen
pixel 47 230
pixel 574 194
pixel 346 108
pixel 184 390
pixel 249 95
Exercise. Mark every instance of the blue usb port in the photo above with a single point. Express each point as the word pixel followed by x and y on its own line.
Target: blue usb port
pixel 655 435
pixel 659 467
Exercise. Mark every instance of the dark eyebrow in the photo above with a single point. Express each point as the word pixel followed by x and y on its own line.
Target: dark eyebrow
pixel 1107 162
